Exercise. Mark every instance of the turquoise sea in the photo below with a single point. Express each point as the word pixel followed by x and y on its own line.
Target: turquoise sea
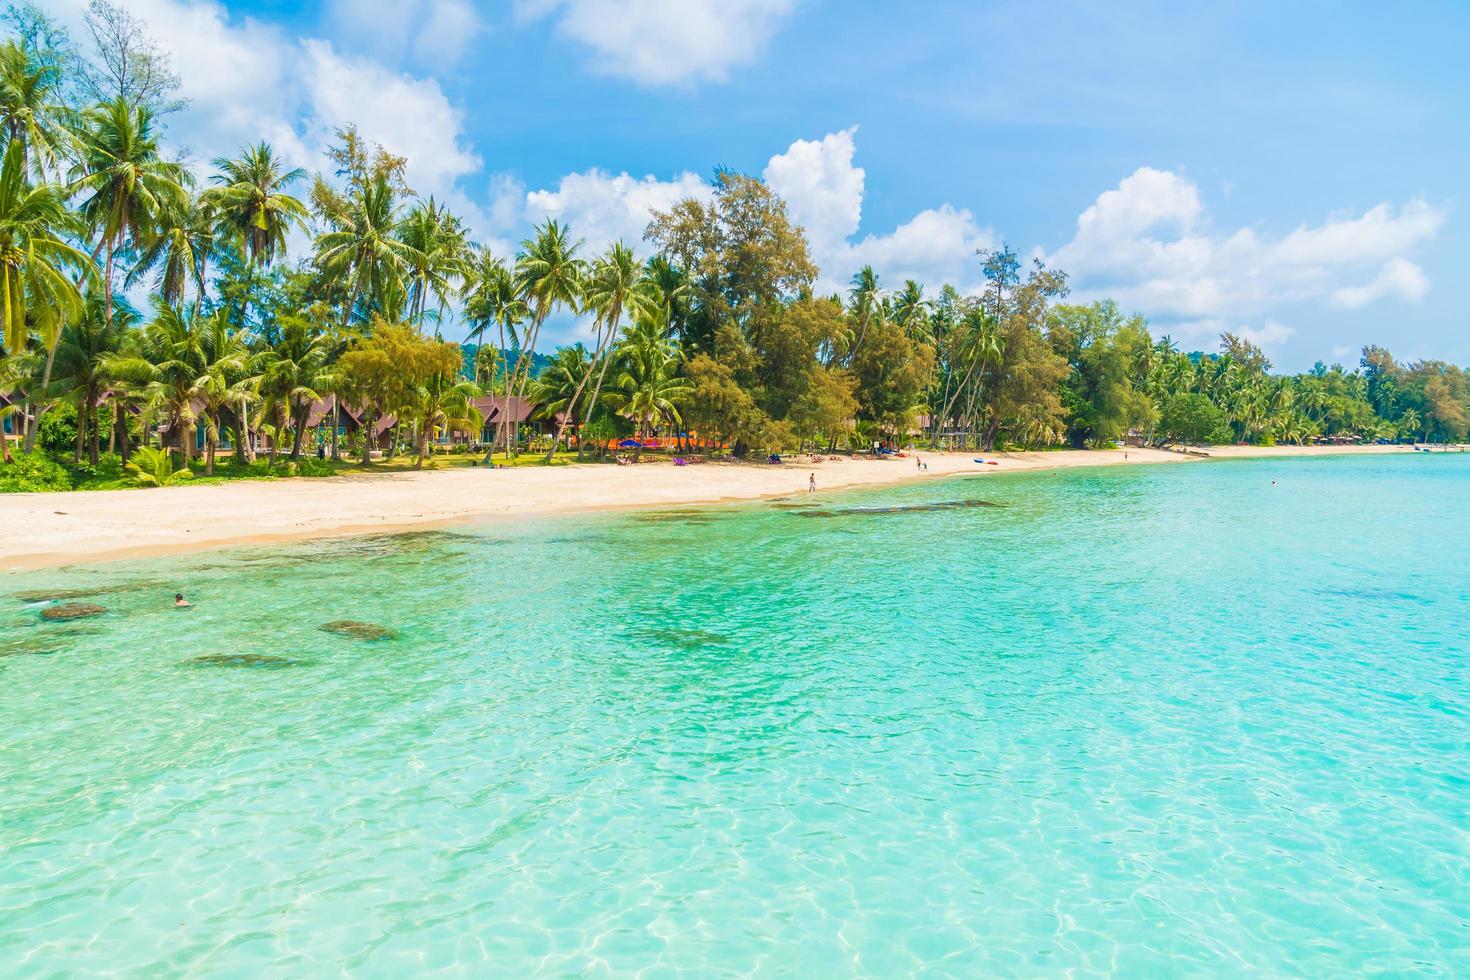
pixel 1149 721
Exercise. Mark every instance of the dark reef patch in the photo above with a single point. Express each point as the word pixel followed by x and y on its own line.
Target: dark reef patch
pixel 358 630
pixel 258 661
pixel 71 610
pixel 897 509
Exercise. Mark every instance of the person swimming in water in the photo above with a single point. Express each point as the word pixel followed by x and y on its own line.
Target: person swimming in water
pixel 180 602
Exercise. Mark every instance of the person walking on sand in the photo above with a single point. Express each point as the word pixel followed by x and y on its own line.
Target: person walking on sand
pixel 811 483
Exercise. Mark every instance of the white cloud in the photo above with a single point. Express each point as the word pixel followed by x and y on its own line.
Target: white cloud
pixel 409 116
pixel 660 42
pixel 246 80
pixel 821 186
pixel 1268 334
pixel 824 192
pixel 430 32
pixel 1147 243
pixel 601 208
pixel 1399 277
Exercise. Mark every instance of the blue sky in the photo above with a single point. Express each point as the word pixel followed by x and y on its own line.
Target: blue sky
pixel 1291 170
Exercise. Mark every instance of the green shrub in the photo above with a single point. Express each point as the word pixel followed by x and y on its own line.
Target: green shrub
pixel 155 468
pixel 311 466
pixel 33 473
pixel 109 467
pixel 1193 418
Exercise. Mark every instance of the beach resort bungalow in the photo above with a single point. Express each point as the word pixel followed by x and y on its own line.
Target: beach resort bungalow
pixel 13 422
pixel 497 412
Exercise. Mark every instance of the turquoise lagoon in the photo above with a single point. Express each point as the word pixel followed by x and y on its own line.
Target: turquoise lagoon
pixel 1161 720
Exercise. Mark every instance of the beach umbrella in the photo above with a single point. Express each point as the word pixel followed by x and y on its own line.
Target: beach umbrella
pixel 628 444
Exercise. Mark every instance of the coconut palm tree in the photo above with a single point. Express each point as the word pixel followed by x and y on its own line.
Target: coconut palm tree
pixel 548 275
pixel 911 311
pixel 441 401
pixel 223 382
pixel 37 264
pixel 124 183
pixel 617 285
pixel 362 251
pixel 439 260
pixel 558 389
pixel 32 113
pixel 251 204
pixel 83 367
pixel 167 367
pixel 177 249
pixel 649 386
pixel 295 373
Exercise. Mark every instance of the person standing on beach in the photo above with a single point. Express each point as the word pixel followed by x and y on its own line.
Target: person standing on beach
pixel 811 483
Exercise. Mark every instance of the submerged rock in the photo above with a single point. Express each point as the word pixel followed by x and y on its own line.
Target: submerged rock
pixel 258 660
pixel 72 610
pixel 54 595
pixel 899 508
pixel 30 646
pixel 359 631
pixel 62 595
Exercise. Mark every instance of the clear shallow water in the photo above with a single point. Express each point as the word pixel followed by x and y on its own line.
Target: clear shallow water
pixel 1161 720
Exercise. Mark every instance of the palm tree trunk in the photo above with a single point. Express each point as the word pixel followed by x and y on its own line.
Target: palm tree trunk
pixel 298 420
pixel 76 455
pixel 93 433
pixel 336 424
pixel 33 428
pixel 120 423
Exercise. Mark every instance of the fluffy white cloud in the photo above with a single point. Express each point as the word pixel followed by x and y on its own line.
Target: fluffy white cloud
pixel 246 80
pixel 430 32
pixel 603 208
pixel 1269 334
pixel 1399 277
pixel 659 42
pixel 821 187
pixel 409 116
pixel 824 192
pixel 1147 243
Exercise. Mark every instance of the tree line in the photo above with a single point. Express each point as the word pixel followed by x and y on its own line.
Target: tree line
pixel 722 332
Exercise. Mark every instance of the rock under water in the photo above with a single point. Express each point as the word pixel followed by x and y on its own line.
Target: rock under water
pixel 357 630
pixel 897 508
pixel 258 660
pixel 72 610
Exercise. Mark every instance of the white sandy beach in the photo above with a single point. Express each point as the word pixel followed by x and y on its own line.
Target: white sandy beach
pixel 48 529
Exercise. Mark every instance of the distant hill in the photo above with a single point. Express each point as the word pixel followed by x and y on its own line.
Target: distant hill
pixel 539 360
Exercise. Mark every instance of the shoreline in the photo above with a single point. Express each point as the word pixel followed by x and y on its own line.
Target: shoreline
pixel 47 530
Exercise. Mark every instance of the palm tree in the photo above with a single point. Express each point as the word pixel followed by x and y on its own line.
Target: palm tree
pixel 864 305
pixel 126 184
pixel 83 362
pixel 548 275
pixel 441 402
pixel 669 282
pixel 167 366
pixel 31 111
pixel 617 284
pixel 649 386
pixel 1409 423
pixel 224 360
pixel 911 311
pixel 36 264
pixel 296 372
pixel 440 257
pixel 251 202
pixel 363 251
pixel 178 249
pixel 559 386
